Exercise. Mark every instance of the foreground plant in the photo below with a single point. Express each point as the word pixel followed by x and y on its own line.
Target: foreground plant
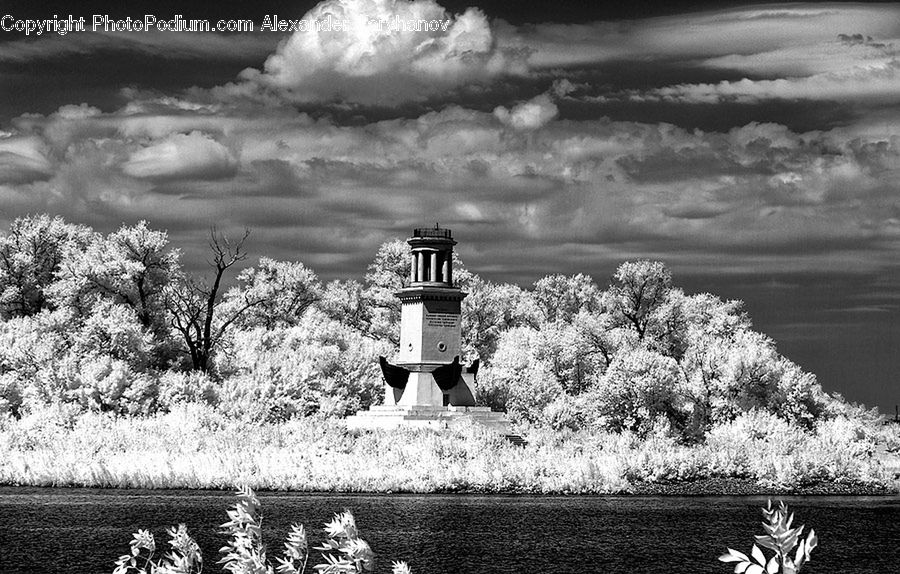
pixel 781 539
pixel 185 557
pixel 344 551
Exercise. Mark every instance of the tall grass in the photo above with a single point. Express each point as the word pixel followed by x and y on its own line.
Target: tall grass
pixel 344 552
pixel 195 446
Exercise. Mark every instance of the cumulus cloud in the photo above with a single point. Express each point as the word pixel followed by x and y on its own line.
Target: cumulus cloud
pixel 529 115
pixel 182 156
pixel 22 160
pixel 386 52
pixel 786 52
pixel 530 172
pixel 621 187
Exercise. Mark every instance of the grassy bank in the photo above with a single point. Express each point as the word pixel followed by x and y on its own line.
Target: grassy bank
pixel 197 447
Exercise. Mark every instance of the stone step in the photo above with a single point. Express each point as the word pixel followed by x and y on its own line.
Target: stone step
pixel 432 417
pixel 515 439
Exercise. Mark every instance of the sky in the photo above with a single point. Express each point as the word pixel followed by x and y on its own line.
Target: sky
pixel 753 148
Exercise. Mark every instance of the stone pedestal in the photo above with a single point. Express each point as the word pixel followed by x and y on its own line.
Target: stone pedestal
pixel 421 390
pixel 424 416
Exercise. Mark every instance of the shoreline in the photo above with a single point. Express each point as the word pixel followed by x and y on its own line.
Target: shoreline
pixel 709 487
pixel 197 448
pixel 749 487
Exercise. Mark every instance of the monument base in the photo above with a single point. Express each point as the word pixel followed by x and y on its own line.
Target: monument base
pixel 426 416
pixel 421 390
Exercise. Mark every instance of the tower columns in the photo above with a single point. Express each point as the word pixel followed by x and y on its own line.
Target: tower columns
pixel 431 265
pixel 433 271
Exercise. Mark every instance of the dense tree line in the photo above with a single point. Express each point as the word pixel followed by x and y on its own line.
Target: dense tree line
pixel 113 322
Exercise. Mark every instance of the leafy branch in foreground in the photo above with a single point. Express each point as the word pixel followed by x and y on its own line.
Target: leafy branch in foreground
pixel 245 552
pixel 781 539
pixel 344 538
pixel 185 557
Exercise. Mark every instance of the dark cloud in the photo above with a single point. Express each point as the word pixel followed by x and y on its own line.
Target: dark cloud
pixel 164 45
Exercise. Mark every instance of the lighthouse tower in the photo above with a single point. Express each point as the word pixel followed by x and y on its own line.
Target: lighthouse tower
pixel 430 328
pixel 428 385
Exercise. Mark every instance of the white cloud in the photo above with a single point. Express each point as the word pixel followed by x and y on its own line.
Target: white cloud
pixel 77 112
pixel 875 83
pixel 23 159
pixel 760 187
pixel 794 47
pixel 832 56
pixel 529 115
pixel 371 63
pixel 744 31
pixel 185 156
pixel 760 196
pixel 839 52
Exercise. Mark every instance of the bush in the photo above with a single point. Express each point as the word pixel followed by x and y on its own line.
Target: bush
pixel 516 381
pixel 187 387
pixel 98 362
pixel 199 446
pixel 639 387
pixel 320 365
pixel 777 453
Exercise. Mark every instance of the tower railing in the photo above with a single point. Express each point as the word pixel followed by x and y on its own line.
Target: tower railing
pixel 432 232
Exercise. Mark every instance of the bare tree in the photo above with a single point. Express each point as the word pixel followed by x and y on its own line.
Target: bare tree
pixel 193 304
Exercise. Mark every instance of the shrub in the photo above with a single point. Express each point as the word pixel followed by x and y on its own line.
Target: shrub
pixel 565 413
pixel 10 394
pixel 105 383
pixel 516 381
pixel 639 387
pixel 319 365
pixel 187 387
pixel 100 362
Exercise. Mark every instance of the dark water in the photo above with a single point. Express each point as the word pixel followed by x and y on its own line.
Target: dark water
pixel 82 531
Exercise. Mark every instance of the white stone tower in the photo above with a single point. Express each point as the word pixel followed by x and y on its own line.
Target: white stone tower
pixel 429 386
pixel 430 328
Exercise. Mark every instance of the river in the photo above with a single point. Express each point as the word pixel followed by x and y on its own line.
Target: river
pixel 83 531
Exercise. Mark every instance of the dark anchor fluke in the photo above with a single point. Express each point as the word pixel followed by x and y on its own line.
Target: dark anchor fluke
pixel 473 368
pixel 447 376
pixel 393 375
